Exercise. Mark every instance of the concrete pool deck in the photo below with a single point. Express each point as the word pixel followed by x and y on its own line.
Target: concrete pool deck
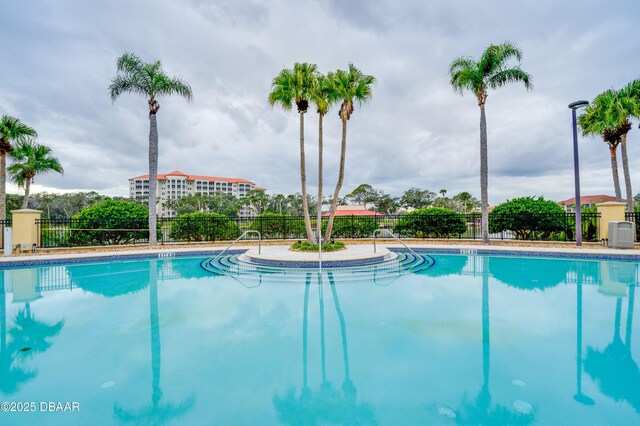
pixel 354 250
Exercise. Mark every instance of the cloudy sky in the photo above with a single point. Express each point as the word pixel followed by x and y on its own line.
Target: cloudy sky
pixel 58 57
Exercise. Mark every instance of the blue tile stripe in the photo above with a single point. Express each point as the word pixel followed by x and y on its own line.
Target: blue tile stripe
pixel 315 264
pixel 115 257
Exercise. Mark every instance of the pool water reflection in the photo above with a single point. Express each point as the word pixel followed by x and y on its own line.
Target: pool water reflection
pixel 471 340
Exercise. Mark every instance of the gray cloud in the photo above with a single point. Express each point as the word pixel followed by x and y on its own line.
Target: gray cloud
pixel 58 61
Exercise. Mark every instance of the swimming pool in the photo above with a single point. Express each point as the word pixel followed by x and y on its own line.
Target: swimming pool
pixel 472 339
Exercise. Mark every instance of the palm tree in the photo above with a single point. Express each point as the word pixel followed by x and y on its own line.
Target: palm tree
pixel 296 86
pixel 597 120
pixel 31 159
pixel 347 86
pixel 625 107
pixel 11 130
pixel 490 72
pixel 320 96
pixel 150 81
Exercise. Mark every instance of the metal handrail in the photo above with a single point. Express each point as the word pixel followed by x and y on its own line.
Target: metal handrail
pixel 393 236
pixel 238 239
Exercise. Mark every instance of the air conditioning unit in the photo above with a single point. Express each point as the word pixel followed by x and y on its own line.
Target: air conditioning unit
pixel 621 234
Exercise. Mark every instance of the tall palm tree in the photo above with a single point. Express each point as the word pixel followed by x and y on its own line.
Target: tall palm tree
pixel 320 96
pixel 626 106
pixel 295 86
pixel 489 72
pixel 31 159
pixel 348 87
pixel 596 119
pixel 149 80
pixel 11 130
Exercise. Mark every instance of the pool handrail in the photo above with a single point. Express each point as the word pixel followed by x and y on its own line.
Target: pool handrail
pixel 392 236
pixel 238 239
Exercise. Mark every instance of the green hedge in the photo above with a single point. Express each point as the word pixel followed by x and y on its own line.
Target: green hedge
pixel 351 227
pixel 528 218
pixel 203 226
pixel 431 223
pixel 274 225
pixel 113 220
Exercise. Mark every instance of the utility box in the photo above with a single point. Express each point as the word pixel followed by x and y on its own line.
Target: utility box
pixel 621 234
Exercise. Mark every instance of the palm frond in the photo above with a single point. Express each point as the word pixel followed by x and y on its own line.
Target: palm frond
pixel 511 75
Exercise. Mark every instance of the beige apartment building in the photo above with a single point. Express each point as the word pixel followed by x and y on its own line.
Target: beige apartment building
pixel 175 185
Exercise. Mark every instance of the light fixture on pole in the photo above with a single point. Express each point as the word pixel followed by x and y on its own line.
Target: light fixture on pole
pixel 576 168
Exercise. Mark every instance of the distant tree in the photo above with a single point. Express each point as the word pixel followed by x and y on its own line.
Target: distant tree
pixel 11 130
pixel 257 200
pixel 489 72
pixel 31 159
pixel 417 198
pixel 149 80
pixel 528 218
pixel 363 194
pixel 464 202
pixel 385 204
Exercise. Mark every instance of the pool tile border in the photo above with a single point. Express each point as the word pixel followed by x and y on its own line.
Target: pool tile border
pixel 10 263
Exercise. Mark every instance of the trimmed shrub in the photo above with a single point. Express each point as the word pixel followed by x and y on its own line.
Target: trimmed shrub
pixel 116 222
pixel 431 223
pixel 529 218
pixel 351 227
pixel 274 225
pixel 203 226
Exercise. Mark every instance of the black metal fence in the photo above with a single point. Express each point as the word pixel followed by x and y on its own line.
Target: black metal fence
pixel 634 217
pixel 554 227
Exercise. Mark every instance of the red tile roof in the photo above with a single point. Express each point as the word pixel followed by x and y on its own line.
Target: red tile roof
pixel 195 177
pixel 590 199
pixel 354 213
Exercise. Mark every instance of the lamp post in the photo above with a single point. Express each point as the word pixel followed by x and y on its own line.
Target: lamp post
pixel 576 168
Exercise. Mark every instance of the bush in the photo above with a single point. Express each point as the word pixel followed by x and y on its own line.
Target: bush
pixel 351 227
pixel 203 226
pixel 529 218
pixel 274 225
pixel 431 223
pixel 326 247
pixel 129 221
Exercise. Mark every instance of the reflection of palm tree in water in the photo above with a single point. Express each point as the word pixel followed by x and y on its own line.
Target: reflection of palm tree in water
pixel 328 405
pixel 614 369
pixel 482 411
pixel 11 375
pixel 157 412
pixel 28 336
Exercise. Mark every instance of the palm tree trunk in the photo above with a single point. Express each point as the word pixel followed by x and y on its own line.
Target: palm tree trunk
pixel 27 190
pixel 3 186
pixel 319 215
pixel 336 193
pixel 153 177
pixel 484 176
pixel 614 171
pixel 303 181
pixel 627 174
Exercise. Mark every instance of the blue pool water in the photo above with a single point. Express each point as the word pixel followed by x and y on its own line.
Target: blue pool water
pixel 470 339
